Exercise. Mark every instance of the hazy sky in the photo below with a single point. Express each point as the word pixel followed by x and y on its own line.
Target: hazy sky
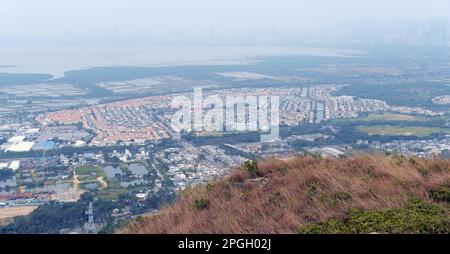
pixel 50 21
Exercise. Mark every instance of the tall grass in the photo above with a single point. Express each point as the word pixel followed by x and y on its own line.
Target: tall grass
pixel 285 195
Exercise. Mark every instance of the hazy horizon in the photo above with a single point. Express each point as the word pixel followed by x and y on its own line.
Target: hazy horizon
pixel 231 22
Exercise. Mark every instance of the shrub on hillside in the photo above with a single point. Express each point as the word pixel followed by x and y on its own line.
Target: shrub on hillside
pixel 202 203
pixel 416 216
pixel 251 167
pixel 440 194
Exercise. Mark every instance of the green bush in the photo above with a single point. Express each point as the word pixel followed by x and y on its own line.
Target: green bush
pixel 251 167
pixel 316 156
pixel 370 173
pixel 424 171
pixel 312 188
pixel 342 196
pixel 202 203
pixel 416 217
pixel 440 194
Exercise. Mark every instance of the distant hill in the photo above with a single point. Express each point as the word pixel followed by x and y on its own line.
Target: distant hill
pixel 361 194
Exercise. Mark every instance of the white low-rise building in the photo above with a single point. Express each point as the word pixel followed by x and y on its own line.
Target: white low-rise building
pixel 15 165
pixel 79 143
pixel 23 146
pixel 32 131
pixel 16 139
pixel 141 196
pixel 4 165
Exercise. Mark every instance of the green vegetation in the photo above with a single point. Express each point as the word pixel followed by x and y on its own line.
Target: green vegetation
pixel 333 200
pixel 342 196
pixel 424 171
pixel 124 168
pixel 202 203
pixel 391 117
pixel 440 194
pixel 51 218
pixel 412 94
pixel 312 188
pixel 384 117
pixel 251 167
pixel 390 130
pixel 55 216
pixel 112 192
pixel 91 172
pixel 417 217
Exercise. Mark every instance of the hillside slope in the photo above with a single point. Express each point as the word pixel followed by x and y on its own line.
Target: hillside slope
pixel 359 194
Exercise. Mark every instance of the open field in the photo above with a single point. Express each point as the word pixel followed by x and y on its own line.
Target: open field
pixel 384 116
pixel 89 172
pixel 405 131
pixel 391 117
pixel 11 212
pixel 110 193
pixel 4 222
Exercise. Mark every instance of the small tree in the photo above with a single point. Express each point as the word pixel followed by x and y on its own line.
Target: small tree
pixel 251 166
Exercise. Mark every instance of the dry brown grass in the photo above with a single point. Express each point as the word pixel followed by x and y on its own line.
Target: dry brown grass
pixel 11 212
pixel 297 192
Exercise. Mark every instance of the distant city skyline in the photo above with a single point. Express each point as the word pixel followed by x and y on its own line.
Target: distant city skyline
pixel 200 22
